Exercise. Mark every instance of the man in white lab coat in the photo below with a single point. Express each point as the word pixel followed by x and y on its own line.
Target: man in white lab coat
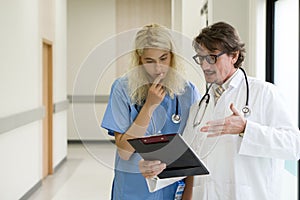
pixel 243 134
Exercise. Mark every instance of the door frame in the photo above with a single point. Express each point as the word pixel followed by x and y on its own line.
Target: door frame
pixel 47 92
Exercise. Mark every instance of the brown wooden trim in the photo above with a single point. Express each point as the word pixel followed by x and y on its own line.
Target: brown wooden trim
pixel 46 41
pixel 47 52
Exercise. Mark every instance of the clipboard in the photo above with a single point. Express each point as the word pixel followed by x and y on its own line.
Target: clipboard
pixel 171 149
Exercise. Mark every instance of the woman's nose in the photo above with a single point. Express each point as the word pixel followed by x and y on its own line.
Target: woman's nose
pixel 158 65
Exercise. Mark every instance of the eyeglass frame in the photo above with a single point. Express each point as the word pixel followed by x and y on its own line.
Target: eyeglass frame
pixel 206 58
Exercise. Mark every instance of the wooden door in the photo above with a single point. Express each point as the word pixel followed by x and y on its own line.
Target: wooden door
pixel 48 104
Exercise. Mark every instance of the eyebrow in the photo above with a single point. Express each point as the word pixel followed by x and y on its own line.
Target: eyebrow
pixel 165 54
pixel 149 58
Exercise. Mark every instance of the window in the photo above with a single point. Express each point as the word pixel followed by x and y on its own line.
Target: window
pixel 282 60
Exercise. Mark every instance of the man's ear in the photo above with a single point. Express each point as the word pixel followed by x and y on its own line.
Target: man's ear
pixel 235 56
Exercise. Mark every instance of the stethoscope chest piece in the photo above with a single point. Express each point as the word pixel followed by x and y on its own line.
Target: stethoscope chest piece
pixel 176 118
pixel 246 110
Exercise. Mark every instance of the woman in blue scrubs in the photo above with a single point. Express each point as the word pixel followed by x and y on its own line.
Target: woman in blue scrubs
pixel 142 102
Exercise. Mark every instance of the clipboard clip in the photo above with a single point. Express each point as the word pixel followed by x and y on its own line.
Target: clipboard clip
pixel 155 139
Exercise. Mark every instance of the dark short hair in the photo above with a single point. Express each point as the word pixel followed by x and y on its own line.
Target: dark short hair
pixel 221 36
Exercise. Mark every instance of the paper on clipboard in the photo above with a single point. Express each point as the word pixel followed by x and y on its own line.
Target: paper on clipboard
pixel 171 149
pixel 156 183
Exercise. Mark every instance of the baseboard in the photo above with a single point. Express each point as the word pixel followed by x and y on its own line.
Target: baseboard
pixel 60 164
pixel 39 184
pixel 32 190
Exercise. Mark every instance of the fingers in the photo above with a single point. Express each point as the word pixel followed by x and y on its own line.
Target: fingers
pixel 218 122
pixel 150 169
pixel 218 125
pixel 233 124
pixel 156 92
pixel 158 86
pixel 213 126
pixel 158 79
pixel 213 135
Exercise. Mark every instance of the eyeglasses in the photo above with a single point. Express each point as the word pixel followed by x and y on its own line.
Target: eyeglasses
pixel 211 59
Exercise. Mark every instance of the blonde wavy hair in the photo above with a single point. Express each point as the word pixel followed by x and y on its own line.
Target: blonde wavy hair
pixel 154 36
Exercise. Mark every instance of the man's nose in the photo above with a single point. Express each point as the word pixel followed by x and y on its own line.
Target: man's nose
pixel 205 65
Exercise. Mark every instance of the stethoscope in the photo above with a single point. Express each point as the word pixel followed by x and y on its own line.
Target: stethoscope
pixel 246 110
pixel 176 117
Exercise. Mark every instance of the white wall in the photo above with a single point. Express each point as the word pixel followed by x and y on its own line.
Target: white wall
pixel 257 41
pixel 191 25
pixel 235 12
pixel 90 23
pixel 21 89
pixel 19 61
pixel 60 81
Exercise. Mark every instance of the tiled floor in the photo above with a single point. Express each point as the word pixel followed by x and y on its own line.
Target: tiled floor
pixel 86 175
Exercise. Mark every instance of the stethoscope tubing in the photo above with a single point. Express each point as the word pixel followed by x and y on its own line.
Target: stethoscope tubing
pixel 207 96
pixel 247 86
pixel 245 109
pixel 176 117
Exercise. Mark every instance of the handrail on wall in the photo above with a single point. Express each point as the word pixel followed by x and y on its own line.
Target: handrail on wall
pixel 20 119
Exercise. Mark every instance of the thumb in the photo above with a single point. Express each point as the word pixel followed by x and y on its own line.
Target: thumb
pixel 234 110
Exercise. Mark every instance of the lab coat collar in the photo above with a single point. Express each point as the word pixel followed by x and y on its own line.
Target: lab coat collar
pixel 233 82
pixel 236 80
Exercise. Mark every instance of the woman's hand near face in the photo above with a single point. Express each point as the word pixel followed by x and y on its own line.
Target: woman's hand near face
pixel 156 93
pixel 155 96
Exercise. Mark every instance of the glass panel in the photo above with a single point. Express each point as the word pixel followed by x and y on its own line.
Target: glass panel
pixel 286 72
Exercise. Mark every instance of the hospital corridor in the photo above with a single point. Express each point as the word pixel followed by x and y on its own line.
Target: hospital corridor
pixel 81 176
pixel 61 105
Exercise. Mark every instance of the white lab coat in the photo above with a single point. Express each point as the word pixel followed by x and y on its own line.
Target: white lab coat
pixel 249 167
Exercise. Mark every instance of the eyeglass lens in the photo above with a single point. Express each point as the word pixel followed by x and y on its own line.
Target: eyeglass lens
pixel 211 59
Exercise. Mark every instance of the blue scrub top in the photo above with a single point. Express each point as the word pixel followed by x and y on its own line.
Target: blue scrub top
pixel 120 113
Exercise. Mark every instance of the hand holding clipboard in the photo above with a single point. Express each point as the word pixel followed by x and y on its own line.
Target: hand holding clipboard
pixel 171 149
